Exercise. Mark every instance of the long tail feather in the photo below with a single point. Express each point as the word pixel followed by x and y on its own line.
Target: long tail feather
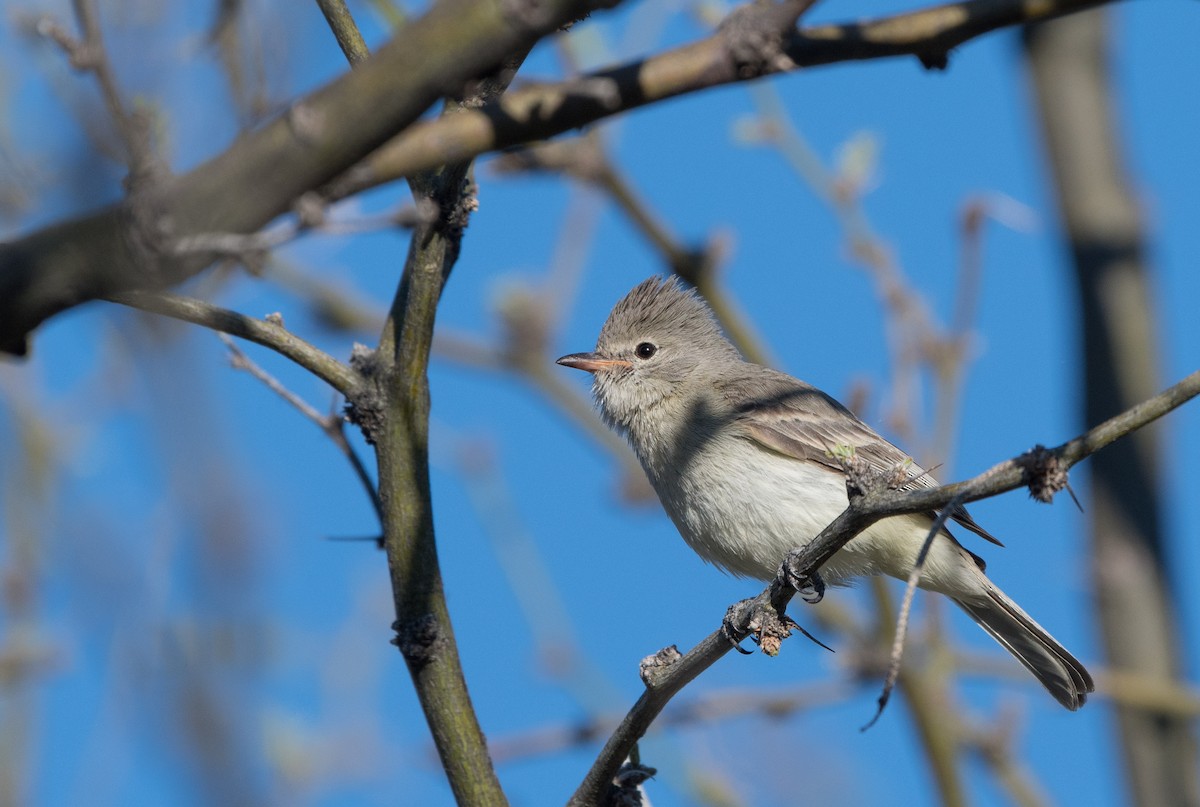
pixel 1057 670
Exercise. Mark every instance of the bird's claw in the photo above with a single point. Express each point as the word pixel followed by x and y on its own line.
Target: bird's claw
pixel 735 616
pixel 810 586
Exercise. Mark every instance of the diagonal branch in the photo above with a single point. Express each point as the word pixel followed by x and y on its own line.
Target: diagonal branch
pixel 127 245
pixel 266 332
pixel 1041 469
pixel 540 111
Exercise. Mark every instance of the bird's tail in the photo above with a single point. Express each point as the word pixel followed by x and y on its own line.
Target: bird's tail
pixel 1059 671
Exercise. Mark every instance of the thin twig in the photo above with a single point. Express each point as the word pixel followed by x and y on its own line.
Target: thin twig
pixel 345 30
pixel 249 245
pixel 902 621
pixel 264 332
pixel 333 424
pixel 241 361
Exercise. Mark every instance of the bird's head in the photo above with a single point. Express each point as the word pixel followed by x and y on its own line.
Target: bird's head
pixel 659 344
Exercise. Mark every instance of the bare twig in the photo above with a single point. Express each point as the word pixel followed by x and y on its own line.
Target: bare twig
pixel 90 54
pixel 333 424
pixel 264 332
pixel 342 24
pixel 910 589
pixel 250 246
pixel 705 709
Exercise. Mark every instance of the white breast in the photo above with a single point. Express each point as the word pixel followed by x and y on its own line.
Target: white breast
pixel 744 508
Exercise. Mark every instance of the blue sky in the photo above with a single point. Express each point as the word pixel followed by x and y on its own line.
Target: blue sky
pixel 186 534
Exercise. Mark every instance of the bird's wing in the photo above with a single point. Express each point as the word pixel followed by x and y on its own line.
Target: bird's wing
pixel 795 419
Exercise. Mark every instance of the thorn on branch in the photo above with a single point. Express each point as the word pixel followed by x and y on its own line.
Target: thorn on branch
pixel 935 60
pixel 1045 473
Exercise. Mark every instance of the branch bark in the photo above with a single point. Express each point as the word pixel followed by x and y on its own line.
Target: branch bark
pixel 127 246
pixel 400 431
pixel 540 111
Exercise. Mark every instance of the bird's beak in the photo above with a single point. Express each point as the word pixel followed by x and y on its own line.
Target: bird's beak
pixel 591 362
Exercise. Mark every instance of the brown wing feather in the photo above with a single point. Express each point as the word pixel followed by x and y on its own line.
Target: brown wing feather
pixel 798 420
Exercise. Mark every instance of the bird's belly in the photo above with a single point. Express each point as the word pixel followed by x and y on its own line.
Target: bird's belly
pixel 746 523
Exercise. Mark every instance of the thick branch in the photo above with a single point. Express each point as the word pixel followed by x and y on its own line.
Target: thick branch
pixel 540 111
pixel 424 632
pixel 127 246
pixel 866 507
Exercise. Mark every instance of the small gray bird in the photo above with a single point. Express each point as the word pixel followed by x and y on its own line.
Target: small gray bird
pixel 739 454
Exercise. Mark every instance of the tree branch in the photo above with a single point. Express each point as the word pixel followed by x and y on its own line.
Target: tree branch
pixel 266 332
pixel 397 423
pixel 127 245
pixel 869 504
pixel 540 111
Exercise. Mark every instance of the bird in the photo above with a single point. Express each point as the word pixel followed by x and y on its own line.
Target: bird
pixel 745 461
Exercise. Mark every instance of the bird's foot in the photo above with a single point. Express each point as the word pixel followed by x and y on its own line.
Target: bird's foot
pixel 809 586
pixel 759 619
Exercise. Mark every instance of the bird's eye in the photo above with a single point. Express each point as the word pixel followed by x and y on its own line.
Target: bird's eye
pixel 645 350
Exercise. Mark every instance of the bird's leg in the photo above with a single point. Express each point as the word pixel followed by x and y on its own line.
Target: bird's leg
pixel 739 619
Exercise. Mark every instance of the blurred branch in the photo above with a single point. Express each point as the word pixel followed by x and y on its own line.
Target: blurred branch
pixel 913 334
pixel 29 653
pixel 523 350
pixel 1119 352
pixel 127 245
pixel 586 159
pixel 332 424
pixel 871 499
pixel 90 54
pixel 928 695
pixel 538 594
pixel 707 708
pixel 1122 688
pixel 994 745
pixel 310 216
